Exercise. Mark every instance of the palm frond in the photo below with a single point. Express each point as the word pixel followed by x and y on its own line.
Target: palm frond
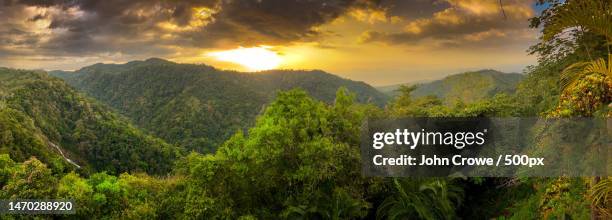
pixel 592 15
pixel 601 193
pixel 570 75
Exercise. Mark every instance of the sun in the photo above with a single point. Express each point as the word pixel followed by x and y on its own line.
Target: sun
pixel 252 58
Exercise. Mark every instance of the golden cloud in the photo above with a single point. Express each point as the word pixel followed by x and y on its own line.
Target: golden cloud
pixel 373 15
pixel 462 20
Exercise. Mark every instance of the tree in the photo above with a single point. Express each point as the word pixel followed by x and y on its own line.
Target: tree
pixel 30 180
pixel 421 197
pixel 581 98
pixel 71 186
pixel 300 155
pixel 588 16
pixel 6 169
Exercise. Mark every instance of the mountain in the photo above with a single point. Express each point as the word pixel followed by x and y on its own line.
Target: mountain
pixel 198 106
pixel 468 86
pixel 42 116
pixel 391 90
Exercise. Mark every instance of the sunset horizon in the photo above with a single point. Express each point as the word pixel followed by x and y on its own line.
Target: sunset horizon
pixel 380 43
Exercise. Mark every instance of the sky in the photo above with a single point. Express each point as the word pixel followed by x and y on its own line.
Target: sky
pixel 381 42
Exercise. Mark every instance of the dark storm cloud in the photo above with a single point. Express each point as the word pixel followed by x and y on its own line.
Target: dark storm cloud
pixel 276 21
pixel 163 27
pixel 94 26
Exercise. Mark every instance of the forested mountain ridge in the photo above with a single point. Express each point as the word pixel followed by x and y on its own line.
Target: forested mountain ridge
pixel 198 106
pixel 468 86
pixel 41 116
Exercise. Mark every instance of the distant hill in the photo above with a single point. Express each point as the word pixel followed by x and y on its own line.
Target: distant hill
pixel 198 106
pixel 391 90
pixel 467 87
pixel 41 116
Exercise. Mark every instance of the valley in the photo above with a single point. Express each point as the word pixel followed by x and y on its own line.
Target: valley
pixel 198 107
pixel 91 134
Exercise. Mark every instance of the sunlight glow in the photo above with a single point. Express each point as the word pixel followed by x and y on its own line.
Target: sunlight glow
pixel 253 58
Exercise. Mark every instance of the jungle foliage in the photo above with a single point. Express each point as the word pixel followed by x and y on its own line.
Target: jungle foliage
pixel 299 158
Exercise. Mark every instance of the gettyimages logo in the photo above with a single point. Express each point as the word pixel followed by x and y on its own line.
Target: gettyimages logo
pixel 412 139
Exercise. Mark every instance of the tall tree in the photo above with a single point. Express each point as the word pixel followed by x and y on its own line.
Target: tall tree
pixel 586 85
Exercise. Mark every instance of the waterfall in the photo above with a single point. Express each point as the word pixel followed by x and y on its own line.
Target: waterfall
pixel 62 153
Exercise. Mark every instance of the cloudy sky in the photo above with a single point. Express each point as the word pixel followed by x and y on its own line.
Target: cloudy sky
pixel 378 41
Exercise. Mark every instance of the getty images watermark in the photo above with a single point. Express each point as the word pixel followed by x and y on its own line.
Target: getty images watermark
pixel 486 147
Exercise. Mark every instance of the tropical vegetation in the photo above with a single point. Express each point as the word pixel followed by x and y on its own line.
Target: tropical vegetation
pixel 261 153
